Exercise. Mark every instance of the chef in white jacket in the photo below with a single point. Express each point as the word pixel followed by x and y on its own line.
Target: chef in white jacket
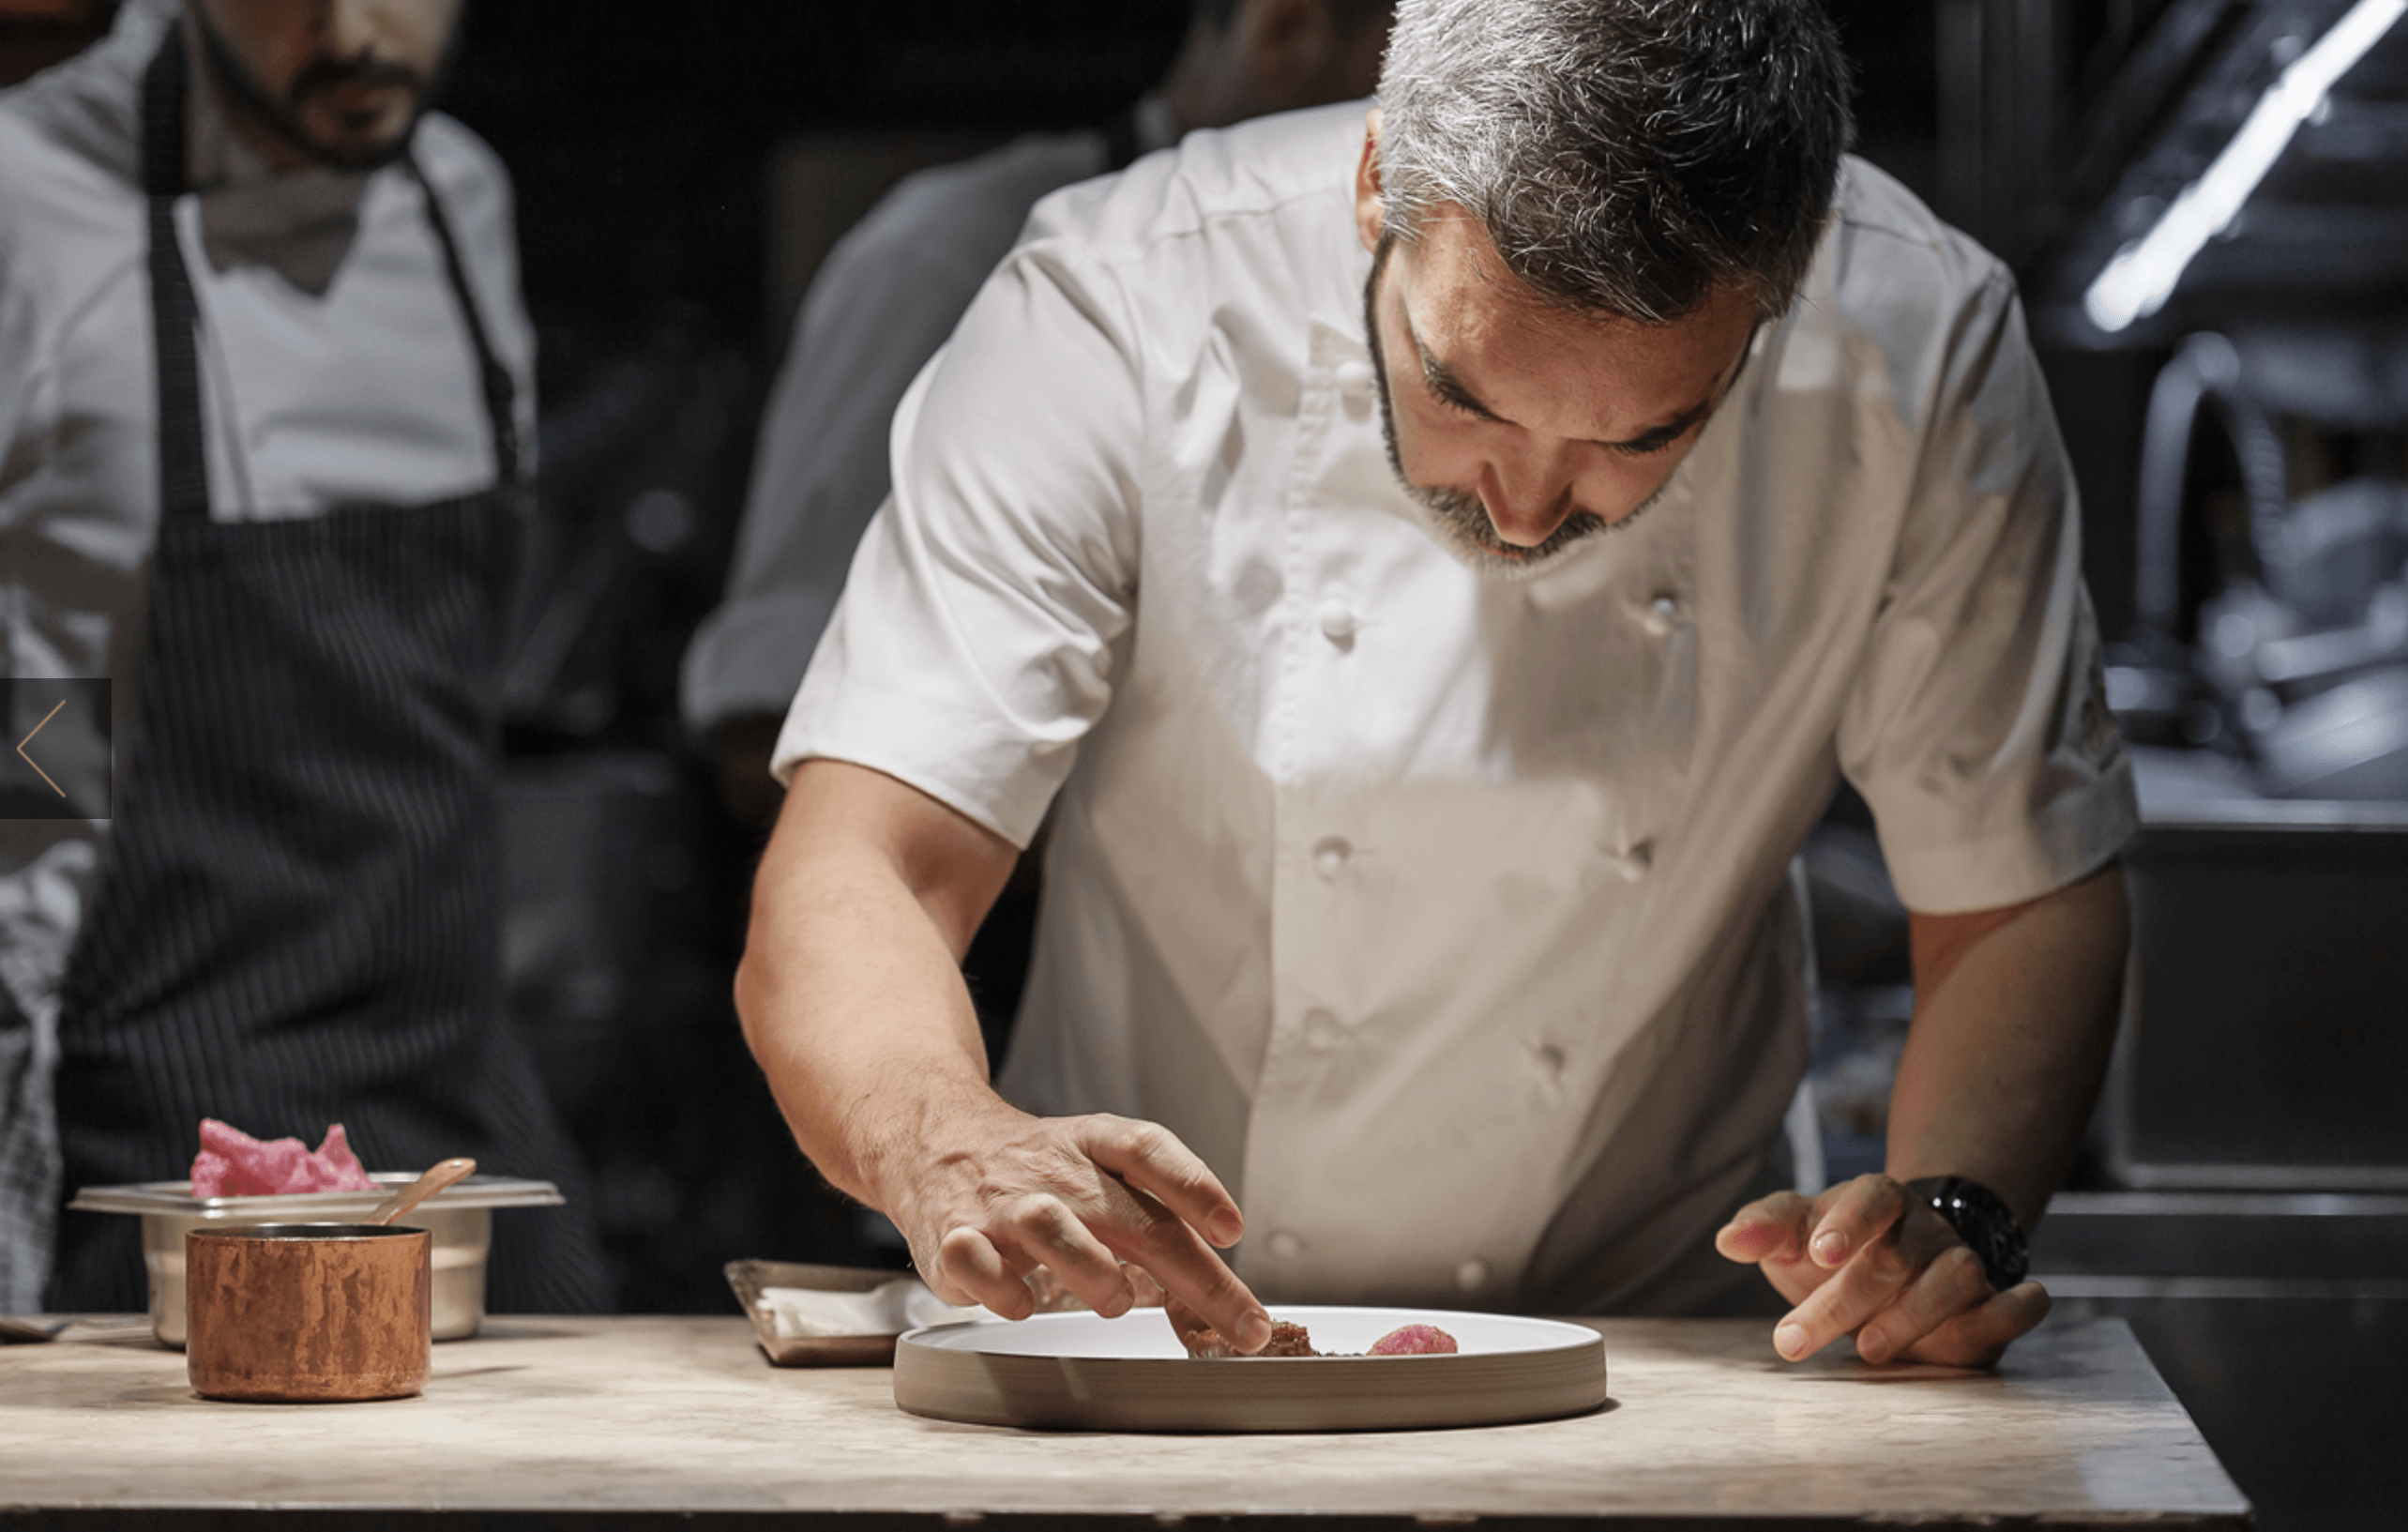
pixel 1435 563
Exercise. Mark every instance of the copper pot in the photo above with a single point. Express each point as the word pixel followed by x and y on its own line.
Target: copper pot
pixel 303 1312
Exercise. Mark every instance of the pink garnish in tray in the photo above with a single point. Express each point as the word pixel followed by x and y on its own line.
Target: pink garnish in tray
pixel 232 1163
pixel 1415 1340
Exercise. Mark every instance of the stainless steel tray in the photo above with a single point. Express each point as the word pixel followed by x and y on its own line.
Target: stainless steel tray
pixel 461 1219
pixel 312 1206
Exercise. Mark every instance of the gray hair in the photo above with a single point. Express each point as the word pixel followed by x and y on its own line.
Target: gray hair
pixel 1627 157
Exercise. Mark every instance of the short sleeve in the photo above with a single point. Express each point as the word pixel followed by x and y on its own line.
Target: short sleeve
pixel 1977 727
pixel 975 643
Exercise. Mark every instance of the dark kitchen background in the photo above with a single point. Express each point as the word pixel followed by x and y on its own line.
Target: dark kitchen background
pixel 2235 403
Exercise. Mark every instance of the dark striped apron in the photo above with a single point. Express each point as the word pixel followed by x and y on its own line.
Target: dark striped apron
pixel 298 923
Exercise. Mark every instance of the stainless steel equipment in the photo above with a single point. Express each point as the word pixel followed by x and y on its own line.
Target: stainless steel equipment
pixel 2262 1046
pixel 2301 655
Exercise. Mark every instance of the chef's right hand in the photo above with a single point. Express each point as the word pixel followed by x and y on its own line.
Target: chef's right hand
pixel 1008 1193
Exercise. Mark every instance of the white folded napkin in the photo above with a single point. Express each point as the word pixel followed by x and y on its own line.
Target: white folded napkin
pixel 888 1309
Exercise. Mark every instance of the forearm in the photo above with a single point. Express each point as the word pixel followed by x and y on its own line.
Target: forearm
pixel 2015 1015
pixel 851 993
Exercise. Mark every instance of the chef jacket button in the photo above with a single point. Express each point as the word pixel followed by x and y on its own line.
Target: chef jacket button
pixel 1635 861
pixel 1330 855
pixel 1353 376
pixel 1472 1275
pixel 1323 1030
pixel 1285 1246
pixel 1337 622
pixel 1662 614
pixel 1550 1059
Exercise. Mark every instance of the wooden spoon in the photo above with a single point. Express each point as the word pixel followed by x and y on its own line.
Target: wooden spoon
pixel 434 1181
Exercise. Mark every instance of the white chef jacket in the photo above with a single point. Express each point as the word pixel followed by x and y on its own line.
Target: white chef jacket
pixel 1443 915
pixel 883 301
pixel 369 391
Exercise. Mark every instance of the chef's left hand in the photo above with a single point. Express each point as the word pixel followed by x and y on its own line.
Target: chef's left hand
pixel 1867 1259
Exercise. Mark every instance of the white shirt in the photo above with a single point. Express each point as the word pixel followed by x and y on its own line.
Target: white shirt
pixel 885 299
pixel 367 392
pixel 1444 914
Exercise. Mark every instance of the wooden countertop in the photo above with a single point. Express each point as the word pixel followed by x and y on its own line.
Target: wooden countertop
pixel 624 1420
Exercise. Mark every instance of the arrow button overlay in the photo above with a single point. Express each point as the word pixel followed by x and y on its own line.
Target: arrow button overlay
pixel 61 757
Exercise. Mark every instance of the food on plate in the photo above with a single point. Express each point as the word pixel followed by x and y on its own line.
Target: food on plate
pixel 1202 1341
pixel 1415 1340
pixel 1286 1341
pixel 232 1163
pixel 1289 1339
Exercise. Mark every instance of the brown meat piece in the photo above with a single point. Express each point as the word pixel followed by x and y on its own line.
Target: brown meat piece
pixel 1286 1341
pixel 1202 1341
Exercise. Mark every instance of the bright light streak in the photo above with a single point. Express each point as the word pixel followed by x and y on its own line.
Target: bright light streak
pixel 2142 274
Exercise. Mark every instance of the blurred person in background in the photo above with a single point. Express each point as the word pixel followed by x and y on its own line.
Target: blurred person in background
pixel 266 387
pixel 885 300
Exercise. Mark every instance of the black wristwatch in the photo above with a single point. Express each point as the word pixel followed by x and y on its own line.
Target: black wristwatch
pixel 1981 1219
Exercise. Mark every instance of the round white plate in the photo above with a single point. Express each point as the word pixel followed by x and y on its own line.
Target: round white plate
pixel 1082 1372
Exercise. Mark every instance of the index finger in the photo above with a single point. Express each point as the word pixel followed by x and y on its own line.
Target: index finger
pixel 1169 1194
pixel 1189 1271
pixel 1150 1157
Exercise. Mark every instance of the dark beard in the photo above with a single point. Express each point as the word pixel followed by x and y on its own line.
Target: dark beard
pixel 251 99
pixel 1459 521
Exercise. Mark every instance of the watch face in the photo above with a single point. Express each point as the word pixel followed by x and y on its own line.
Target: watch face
pixel 1983 1221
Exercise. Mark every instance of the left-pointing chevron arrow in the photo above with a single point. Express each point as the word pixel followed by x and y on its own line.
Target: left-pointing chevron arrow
pixel 29 739
pixel 62 729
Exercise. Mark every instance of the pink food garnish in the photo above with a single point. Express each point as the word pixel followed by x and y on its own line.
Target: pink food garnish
pixel 232 1163
pixel 1415 1340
